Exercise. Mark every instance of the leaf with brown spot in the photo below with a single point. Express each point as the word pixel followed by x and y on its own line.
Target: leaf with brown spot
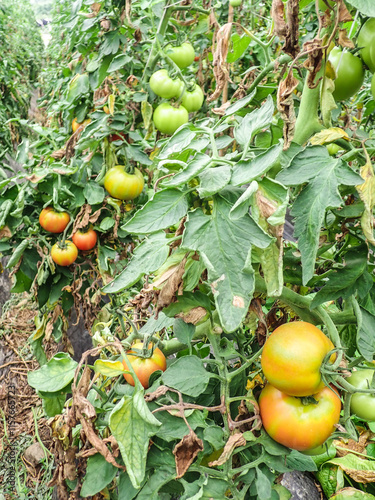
pixel 172 284
pixel 344 14
pixel 285 105
pixel 34 178
pixel 193 316
pixel 160 391
pixel 185 452
pixel 344 40
pixel 234 441
pixel 5 232
pixel 59 154
pixel 277 13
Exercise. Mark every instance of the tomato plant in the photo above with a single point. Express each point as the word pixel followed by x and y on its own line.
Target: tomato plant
pixel 362 404
pixel 144 366
pixel 297 424
pixel 292 358
pixel 183 55
pixel 366 41
pixel 168 118
pixel 123 185
pixel 85 240
pixel 65 253
pixel 349 73
pixel 193 100
pixel 165 86
pixel 53 221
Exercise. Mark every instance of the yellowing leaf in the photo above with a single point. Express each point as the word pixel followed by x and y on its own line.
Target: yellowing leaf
pixel 367 194
pixel 111 103
pixel 108 368
pixel 328 135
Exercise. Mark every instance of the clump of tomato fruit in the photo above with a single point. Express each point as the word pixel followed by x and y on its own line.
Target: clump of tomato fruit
pixel 64 253
pixel 123 185
pixel 53 221
pixel 143 366
pixel 296 407
pixel 85 240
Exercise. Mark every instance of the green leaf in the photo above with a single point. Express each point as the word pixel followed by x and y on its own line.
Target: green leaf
pixel 247 170
pixel 156 325
pixel 298 461
pixel 118 62
pixel 352 494
pixel 174 428
pixel 78 86
pixel 177 143
pixel 53 406
pixel 242 205
pixel 17 254
pixel 94 193
pixel 365 334
pixel 330 478
pixel 239 45
pixel 187 375
pixel 132 424
pixel 225 247
pixel 55 375
pixel 263 485
pixel 184 332
pixel 324 174
pixel 193 168
pixel 126 491
pixel 161 476
pixel 253 122
pixel 346 281
pixel 99 474
pixel 213 180
pixel 187 301
pixel 366 7
pixel 241 103
pixel 147 257
pixel 108 367
pixel 165 209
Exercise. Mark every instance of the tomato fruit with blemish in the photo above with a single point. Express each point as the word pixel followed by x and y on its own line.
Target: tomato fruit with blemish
pixel 64 254
pixel 85 240
pixel 122 185
pixel 292 357
pixel 144 367
pixel 349 73
pixel 192 101
pixel 52 221
pixel 297 425
pixel 165 86
pixel 362 404
pixel 167 118
pixel 183 55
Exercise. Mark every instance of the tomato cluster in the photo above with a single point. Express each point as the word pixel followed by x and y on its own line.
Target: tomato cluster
pixel 296 408
pixel 65 252
pixel 144 366
pixel 167 117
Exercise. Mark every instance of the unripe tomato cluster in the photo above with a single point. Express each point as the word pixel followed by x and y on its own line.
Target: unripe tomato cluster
pixel 66 252
pixel 168 118
pixel 296 408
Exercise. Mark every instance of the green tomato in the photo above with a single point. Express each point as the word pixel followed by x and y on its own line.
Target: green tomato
pixel 333 149
pixel 122 185
pixel 164 86
pixel 183 55
pixel 235 3
pixel 366 40
pixel 349 73
pixel 361 404
pixel 192 101
pixel 168 118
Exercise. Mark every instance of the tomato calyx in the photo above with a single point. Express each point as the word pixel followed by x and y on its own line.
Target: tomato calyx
pixel 309 400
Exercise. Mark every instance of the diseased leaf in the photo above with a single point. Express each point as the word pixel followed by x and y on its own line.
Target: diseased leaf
pixel 55 375
pixel 367 194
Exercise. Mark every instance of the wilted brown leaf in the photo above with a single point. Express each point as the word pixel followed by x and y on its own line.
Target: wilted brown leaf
pixel 344 14
pixel 160 391
pixel 185 452
pixel 172 285
pixel 193 316
pixel 234 441
pixel 314 60
pixel 220 65
pixel 285 105
pixel 5 232
pixel 344 40
pixel 280 28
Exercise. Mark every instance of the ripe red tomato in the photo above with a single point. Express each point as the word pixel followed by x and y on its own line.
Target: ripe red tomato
pixel 362 404
pixel 349 73
pixel 297 425
pixel 292 357
pixel 164 86
pixel 183 55
pixel 143 367
pixel 366 40
pixel 122 185
pixel 64 254
pixel 85 240
pixel 168 119
pixel 52 221
pixel 75 124
pixel 192 101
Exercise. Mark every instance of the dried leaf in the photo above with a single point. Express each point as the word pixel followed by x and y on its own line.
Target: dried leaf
pixel 5 232
pixel 59 154
pixel 328 135
pixel 344 40
pixel 234 441
pixel 292 38
pixel 285 105
pixel 220 65
pixel 344 14
pixel 280 28
pixel 193 316
pixel 160 391
pixel 367 194
pixel 314 60
pixel 185 452
pixel 172 284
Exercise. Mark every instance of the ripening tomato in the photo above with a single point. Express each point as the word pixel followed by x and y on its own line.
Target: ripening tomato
pixel 366 40
pixel 64 254
pixel 75 124
pixel 165 86
pixel 192 101
pixel 349 73
pixel 143 367
pixel 85 240
pixel 362 404
pixel 168 118
pixel 122 185
pixel 292 357
pixel 52 221
pixel 183 55
pixel 291 422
